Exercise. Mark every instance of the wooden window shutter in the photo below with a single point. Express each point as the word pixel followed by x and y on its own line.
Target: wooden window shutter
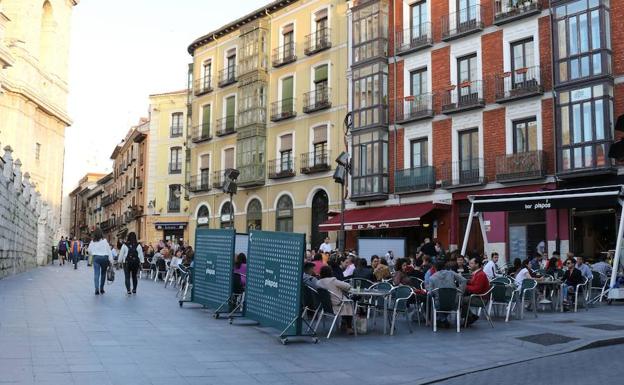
pixel 286 142
pixel 320 134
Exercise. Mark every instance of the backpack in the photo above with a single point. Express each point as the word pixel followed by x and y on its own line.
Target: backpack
pixel 132 260
pixel 62 247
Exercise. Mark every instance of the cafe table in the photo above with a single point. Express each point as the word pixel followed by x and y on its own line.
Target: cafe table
pixel 374 294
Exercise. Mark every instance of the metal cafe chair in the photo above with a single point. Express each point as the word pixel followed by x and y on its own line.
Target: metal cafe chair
pixel 448 301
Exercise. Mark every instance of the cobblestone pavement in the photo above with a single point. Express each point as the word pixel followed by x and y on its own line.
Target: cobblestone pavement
pixel 593 366
pixel 53 330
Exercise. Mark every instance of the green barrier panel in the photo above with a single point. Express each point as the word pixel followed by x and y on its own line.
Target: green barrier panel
pixel 274 270
pixel 212 275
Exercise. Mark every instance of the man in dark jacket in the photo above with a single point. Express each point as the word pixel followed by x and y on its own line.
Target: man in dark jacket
pixel 572 277
pixel 429 248
pixel 363 271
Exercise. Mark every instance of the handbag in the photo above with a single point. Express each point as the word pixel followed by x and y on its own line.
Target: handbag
pixel 110 275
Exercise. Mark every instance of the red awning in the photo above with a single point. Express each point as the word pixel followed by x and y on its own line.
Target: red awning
pixel 380 217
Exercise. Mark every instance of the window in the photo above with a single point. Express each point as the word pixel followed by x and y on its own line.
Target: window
pixel 585 125
pixel 175 165
pixel 370 31
pixel 418 20
pixel 418 153
pixel 284 215
pixel 288 39
pixel 582 36
pixel 254 215
pixel 176 124
pixel 203 216
pixel 204 170
pixel 207 75
pixel 521 58
pixel 228 158
pixel 469 155
pixel 173 205
pixel 467 13
pixel 525 135
pixel 205 125
pixel 466 76
pixel 230 65
pixel 320 145
pixel 230 112
pixel 287 95
pixel 320 22
pixel 286 143
pixel 370 94
pixel 37 151
pixel 370 163
pixel 418 82
pixel 321 80
pixel 227 216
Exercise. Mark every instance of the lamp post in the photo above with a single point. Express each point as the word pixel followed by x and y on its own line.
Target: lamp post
pixel 341 176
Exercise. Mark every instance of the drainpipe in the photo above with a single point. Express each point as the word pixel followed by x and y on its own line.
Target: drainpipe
pixel 554 114
pixel 394 127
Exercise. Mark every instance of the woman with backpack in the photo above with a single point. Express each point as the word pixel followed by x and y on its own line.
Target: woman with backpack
pixel 102 258
pixel 131 255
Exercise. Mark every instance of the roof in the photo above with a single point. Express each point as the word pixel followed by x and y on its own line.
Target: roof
pixel 184 91
pixel 381 217
pixel 272 7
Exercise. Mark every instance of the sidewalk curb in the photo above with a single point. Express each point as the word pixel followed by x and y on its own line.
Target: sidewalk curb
pixel 586 346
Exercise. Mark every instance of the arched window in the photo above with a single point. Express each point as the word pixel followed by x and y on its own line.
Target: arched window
pixel 203 216
pixel 227 219
pixel 47 38
pixel 284 215
pixel 254 215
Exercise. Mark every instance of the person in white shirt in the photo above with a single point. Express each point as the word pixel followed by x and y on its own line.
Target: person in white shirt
pixel 325 246
pixel 491 267
pixel 348 271
pixel 131 256
pixel 102 258
pixel 524 273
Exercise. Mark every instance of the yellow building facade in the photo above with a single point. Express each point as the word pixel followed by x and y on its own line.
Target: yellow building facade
pixel 167 211
pixel 268 98
pixel 34 51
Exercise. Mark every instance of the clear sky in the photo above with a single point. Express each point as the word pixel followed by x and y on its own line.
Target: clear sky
pixel 121 52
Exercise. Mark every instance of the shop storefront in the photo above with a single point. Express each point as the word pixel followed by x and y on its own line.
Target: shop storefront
pixel 172 231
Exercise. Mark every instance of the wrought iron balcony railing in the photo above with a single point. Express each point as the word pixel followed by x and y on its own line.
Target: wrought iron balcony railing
pixel 463 22
pixel 317 100
pixel 521 83
pixel 218 177
pixel 414 179
pixel 283 109
pixel 227 76
pixel 520 166
pixel 466 96
pixel 280 168
pixel 173 206
pixel 226 125
pixel 317 41
pixel 201 133
pixel 199 183
pixel 414 39
pixel 506 11
pixel 416 107
pixel 462 173
pixel 312 162
pixel 284 54
pixel 203 85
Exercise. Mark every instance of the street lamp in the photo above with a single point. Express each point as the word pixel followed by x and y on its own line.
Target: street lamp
pixel 230 187
pixel 341 177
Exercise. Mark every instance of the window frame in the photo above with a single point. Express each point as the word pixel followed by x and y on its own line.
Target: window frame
pixel 514 128
pixel 424 155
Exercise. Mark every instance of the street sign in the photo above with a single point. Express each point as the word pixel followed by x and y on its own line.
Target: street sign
pixel 212 273
pixel 274 271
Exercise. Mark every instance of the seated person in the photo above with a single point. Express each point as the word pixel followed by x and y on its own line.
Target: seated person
pixel 363 271
pixel 380 270
pixel 515 268
pixel 478 284
pixel 572 277
pixel 309 277
pixel 584 268
pixel 338 264
pixel 349 266
pixel 417 270
pixel 240 267
pixel 524 273
pixel 460 265
pixel 317 260
pixel 443 278
pixel 338 288
pixel 603 268
pixel 491 267
pixel 552 266
pixel 400 274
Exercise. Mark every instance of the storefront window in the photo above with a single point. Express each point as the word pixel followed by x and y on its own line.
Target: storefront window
pixel 254 215
pixel 284 215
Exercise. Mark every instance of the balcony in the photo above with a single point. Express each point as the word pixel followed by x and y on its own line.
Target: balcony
pixel 370 50
pixel 218 178
pixel 283 109
pixel 202 86
pixel 585 160
pixel 414 179
pixel 467 96
pixel 227 76
pixel 317 41
pixel 462 173
pixel 173 206
pixel 317 100
pixel 279 168
pixel 108 200
pixel 369 188
pixel 506 11
pixel 414 39
pixel 372 116
pixel 284 54
pixel 251 175
pixel 174 132
pixel 175 168
pixel 313 162
pixel 520 166
pixel 462 23
pixel 226 126
pixel 413 108
pixel 201 133
pixel 521 83
pixel 198 183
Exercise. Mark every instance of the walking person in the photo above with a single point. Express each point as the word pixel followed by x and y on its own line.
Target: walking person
pixel 131 255
pixel 62 250
pixel 102 258
pixel 75 247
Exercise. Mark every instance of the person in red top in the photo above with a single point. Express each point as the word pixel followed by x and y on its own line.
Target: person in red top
pixel 478 284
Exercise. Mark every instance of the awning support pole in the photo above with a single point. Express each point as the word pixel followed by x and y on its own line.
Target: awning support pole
pixel 486 245
pixel 618 245
pixel 468 226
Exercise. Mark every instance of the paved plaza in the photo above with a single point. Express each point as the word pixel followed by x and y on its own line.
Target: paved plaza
pixel 53 330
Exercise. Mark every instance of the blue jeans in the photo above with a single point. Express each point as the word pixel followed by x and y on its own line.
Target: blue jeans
pixel 100 263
